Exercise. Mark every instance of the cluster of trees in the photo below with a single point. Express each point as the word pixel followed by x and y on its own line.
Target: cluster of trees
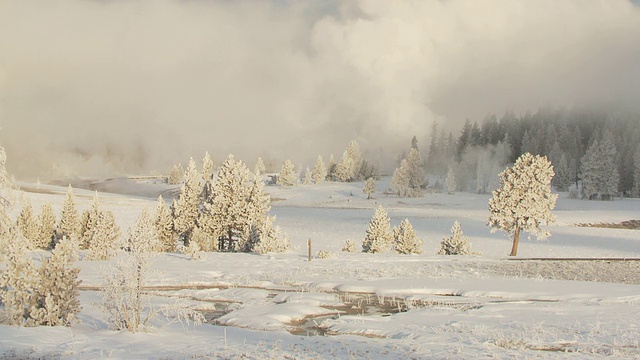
pixel 225 213
pixel 32 295
pixel 597 149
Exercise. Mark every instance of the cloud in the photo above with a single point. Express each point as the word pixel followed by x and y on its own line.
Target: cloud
pixel 103 87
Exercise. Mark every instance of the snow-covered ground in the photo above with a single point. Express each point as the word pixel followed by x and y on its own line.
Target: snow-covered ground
pixel 368 305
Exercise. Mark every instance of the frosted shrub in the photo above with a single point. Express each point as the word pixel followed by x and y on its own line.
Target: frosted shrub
pixel 349 246
pixel 378 238
pixel 456 244
pixel 324 254
pixel 268 238
pixel 405 240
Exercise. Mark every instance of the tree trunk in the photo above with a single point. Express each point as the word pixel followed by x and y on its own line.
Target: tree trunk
pixel 516 238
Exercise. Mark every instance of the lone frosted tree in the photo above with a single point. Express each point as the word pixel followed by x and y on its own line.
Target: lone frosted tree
pixel 176 175
pixel 405 240
pixel 319 172
pixel 260 168
pixel 379 237
pixel 369 187
pixel 524 199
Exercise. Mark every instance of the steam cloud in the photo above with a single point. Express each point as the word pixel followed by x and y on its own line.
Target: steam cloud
pixel 100 87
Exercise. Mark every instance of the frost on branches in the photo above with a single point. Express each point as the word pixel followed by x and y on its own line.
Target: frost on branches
pixel 164 227
pixel 378 238
pixel 27 224
pixel 524 199
pixel 456 244
pixel 46 227
pixel 319 172
pixel 405 240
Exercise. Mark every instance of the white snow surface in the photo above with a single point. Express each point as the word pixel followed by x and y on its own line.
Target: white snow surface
pixel 451 307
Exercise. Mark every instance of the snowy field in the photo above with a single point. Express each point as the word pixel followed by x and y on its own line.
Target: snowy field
pixel 360 306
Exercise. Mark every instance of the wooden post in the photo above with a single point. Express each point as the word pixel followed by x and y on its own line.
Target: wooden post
pixel 309 246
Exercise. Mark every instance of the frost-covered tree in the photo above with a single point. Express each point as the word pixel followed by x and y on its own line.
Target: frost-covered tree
pixel 408 178
pixel 226 214
pixel 265 238
pixel 347 168
pixel 259 168
pixel 46 227
pixel 405 240
pixel 369 187
pixel 379 237
pixel 207 167
pixel 456 244
pixel 164 226
pixel 185 210
pixel 450 181
pixel 176 175
pixel 524 199
pixel 56 295
pixel 307 177
pixel 17 282
pixel 599 173
pixel 564 175
pixel 27 223
pixel 103 239
pixel 88 222
pixel 288 176
pixel 319 172
pixel 69 220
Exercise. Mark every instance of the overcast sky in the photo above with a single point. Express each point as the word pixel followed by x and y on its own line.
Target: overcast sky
pixel 104 87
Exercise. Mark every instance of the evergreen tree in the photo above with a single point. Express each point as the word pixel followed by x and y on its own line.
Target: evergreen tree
pixel 564 176
pixel 347 169
pixel 103 239
pixel 69 221
pixel 164 227
pixel 524 199
pixel 260 168
pixel 207 168
pixel 307 177
pixel 186 209
pixel 88 222
pixel 176 175
pixel 379 237
pixel 17 282
pixel 56 293
pixel 331 169
pixel 405 240
pixel 408 178
pixel 226 216
pixel 599 172
pixel 7 186
pixel 369 187
pixel 47 227
pixel 319 173
pixel 400 180
pixel 287 176
pixel 27 223
pixel 450 181
pixel 456 244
